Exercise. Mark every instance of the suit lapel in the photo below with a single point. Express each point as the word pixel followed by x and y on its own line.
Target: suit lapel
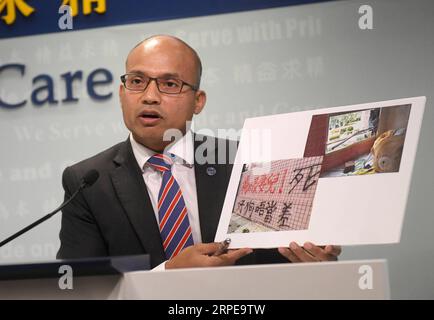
pixel 132 193
pixel 211 185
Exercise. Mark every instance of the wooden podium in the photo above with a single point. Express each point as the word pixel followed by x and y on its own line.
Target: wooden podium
pixel 364 279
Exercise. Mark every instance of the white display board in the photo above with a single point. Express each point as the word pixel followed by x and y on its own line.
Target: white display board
pixel 329 176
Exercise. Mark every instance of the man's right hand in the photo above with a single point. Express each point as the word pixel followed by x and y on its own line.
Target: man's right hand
pixel 201 255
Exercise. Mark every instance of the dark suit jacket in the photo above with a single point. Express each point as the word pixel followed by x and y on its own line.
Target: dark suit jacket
pixel 115 217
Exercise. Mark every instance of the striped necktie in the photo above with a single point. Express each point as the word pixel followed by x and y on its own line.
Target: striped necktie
pixel 174 226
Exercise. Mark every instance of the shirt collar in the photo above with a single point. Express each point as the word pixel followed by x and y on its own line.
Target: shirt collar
pixel 182 149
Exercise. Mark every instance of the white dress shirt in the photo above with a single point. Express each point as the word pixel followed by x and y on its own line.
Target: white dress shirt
pixel 183 172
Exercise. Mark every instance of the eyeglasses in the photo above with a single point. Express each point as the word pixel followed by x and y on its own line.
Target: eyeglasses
pixel 139 83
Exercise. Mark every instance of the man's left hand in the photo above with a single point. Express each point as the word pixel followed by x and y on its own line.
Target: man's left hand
pixel 310 252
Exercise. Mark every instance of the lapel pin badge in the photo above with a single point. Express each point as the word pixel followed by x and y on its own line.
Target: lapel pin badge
pixel 211 171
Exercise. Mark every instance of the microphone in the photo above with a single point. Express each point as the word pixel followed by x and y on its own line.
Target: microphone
pixel 88 179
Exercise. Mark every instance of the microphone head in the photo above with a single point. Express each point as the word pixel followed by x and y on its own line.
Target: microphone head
pixel 90 177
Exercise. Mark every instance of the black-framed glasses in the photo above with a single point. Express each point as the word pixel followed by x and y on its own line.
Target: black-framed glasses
pixel 139 83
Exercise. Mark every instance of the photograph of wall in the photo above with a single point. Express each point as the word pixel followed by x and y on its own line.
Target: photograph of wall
pixel 359 142
pixel 275 196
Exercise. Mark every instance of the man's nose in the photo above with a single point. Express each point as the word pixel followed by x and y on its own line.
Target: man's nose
pixel 151 95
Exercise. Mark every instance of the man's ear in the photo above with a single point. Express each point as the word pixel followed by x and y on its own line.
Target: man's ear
pixel 121 92
pixel 199 102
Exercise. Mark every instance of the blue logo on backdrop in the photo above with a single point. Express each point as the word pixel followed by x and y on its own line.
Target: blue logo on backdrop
pixel 43 86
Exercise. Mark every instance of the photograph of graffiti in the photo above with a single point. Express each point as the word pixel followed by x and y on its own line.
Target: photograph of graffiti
pixel 359 142
pixel 275 196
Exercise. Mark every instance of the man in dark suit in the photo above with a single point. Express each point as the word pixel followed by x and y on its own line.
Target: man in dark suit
pixel 121 213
